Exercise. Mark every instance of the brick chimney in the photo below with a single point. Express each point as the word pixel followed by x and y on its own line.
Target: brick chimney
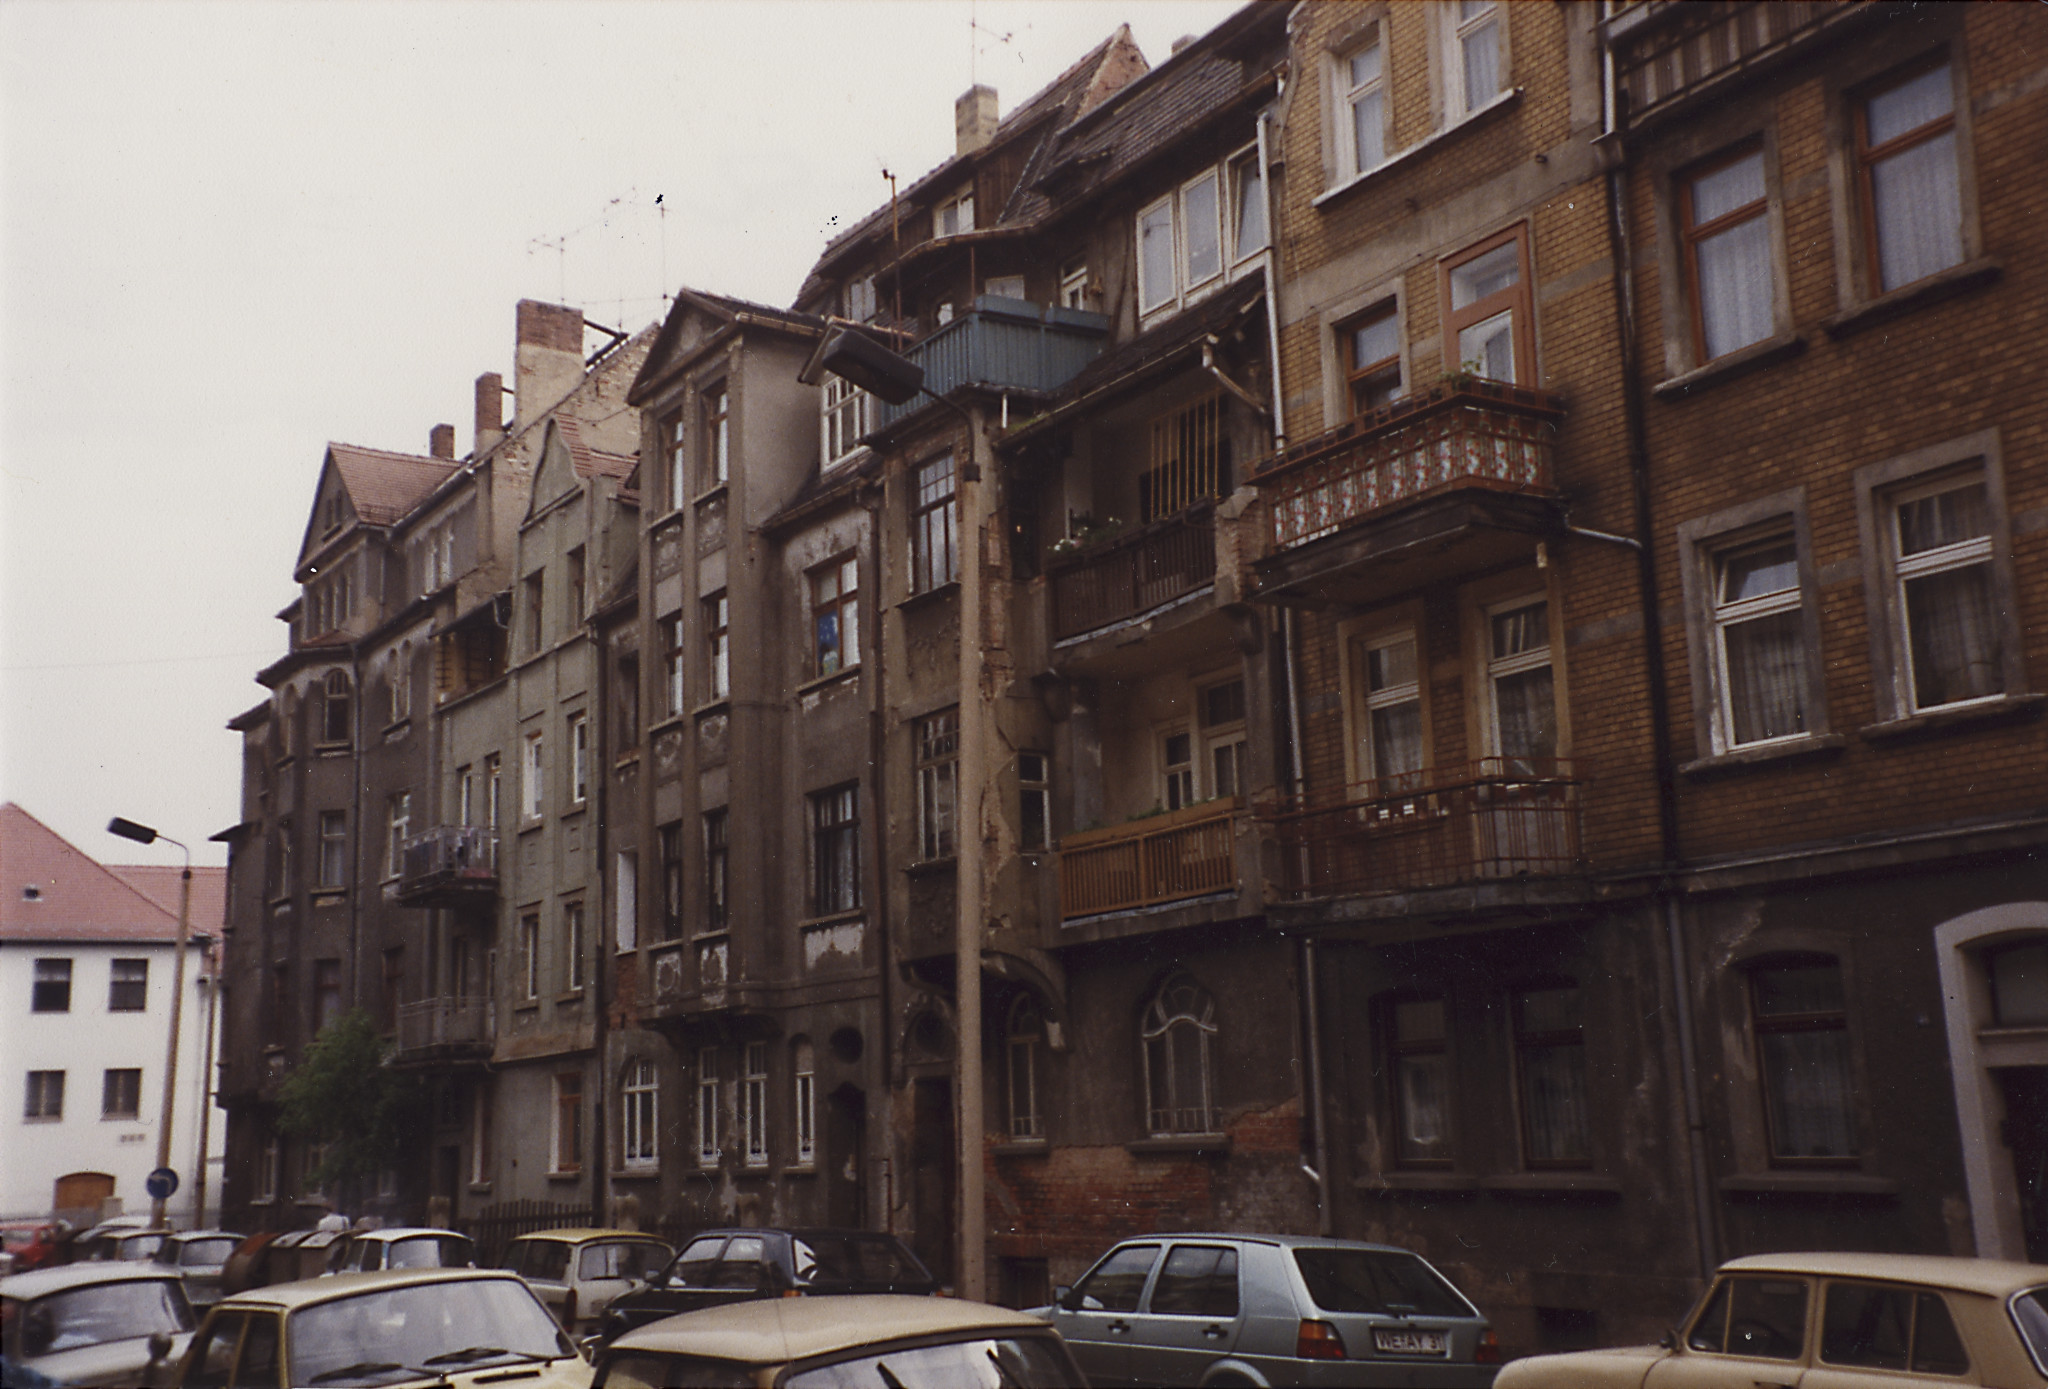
pixel 441 441
pixel 549 361
pixel 974 119
pixel 490 411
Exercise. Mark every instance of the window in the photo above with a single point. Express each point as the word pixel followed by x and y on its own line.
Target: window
pixel 1004 286
pixel 533 614
pixel 804 1070
pixel 1034 802
pixel 954 216
pixel 1760 1317
pixel 1025 1035
pixel 754 1103
pixel 577 580
pixel 269 1168
pixel 671 836
pixel 481 1128
pixel 1475 65
pixel 639 1109
pixel 1223 735
pixel 51 991
pixel 128 988
pixel 1180 244
pixel 1488 331
pixel 934 559
pixel 568 1138
pixel 717 907
pixel 121 1094
pixel 717 647
pixel 1802 1039
pixel 1885 1327
pixel 45 1095
pixel 1190 459
pixel 334 708
pixel 1759 642
pixel 326 993
pixel 1360 79
pixel 532 772
pixel 1179 1024
pixel 1177 770
pixel 286 841
pixel 398 822
pixel 493 779
pixel 835 851
pixel 938 758
pixel 672 662
pixel 626 704
pixel 1371 346
pixel 707 1107
pixel 1941 555
pixel 1417 1044
pixel 717 407
pixel 1521 710
pixel 675 446
pixel 334 848
pixel 1389 742
pixel 1074 285
pixel 394 988
pixel 860 300
pixel 1550 1064
pixel 400 684
pixel 845 418
pixel 579 758
pixel 1728 253
pixel 835 616
pixel 573 945
pixel 1906 162
pixel 529 956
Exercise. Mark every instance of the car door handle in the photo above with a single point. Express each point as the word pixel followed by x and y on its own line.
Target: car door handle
pixel 1119 1325
pixel 1214 1333
pixel 1772 1384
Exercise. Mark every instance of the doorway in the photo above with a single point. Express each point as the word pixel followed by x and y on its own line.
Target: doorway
pixel 931 1174
pixel 846 1152
pixel 2025 1134
pixel 78 1191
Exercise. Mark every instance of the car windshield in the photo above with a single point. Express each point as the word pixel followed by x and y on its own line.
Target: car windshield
pixel 1386 1281
pixel 136 1247
pixel 644 1371
pixel 207 1251
pixel 427 1251
pixel 852 1259
pixel 91 1315
pixel 2030 1314
pixel 369 1338
pixel 630 1260
pixel 986 1362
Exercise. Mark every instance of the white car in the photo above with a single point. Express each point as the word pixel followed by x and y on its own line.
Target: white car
pixel 103 1324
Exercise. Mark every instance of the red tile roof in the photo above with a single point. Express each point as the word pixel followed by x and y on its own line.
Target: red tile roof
pixel 384 486
pixel 52 890
pixel 159 883
pixel 592 462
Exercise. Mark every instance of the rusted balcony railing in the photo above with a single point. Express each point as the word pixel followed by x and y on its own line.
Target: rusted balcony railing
pixel 448 863
pixel 1163 858
pixel 1132 574
pixel 1475 433
pixel 454 1023
pixel 1666 51
pixel 1488 820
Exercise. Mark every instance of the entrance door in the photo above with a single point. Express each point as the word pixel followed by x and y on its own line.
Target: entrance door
pixel 2025 1132
pixel 77 1191
pixel 846 1151
pixel 931 1174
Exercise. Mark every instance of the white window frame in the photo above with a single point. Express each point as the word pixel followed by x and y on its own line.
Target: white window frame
pixel 1343 114
pixel 1226 736
pixel 268 1166
pixel 845 417
pixel 1236 169
pixel 938 784
pixel 1034 788
pixel 754 1103
pixel 626 901
pixel 674 665
pixel 579 758
pixel 529 949
pixel 1156 301
pixel 533 776
pixel 1179 1006
pixel 1458 28
pixel 1365 757
pixel 334 846
pixel 1728 614
pixel 1024 1034
pixel 957 210
pixel 574 924
pixel 718 646
pixel 480 1105
pixel 708 1152
pixel 1177 776
pixel 398 828
pixel 1074 284
pixel 804 1076
pixel 639 1117
pixel 1495 669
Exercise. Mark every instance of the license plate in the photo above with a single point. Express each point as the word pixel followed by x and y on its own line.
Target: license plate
pixel 1394 1341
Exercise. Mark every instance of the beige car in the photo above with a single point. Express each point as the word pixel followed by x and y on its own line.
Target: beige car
pixel 1833 1321
pixel 577 1272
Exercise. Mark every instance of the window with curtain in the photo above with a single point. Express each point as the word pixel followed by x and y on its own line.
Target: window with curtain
pixel 717 832
pixel 707 1107
pixel 1418 1045
pixel 934 556
pixel 1179 1025
pixel 1362 119
pixel 1489 331
pixel 671 838
pixel 717 647
pixel 1371 346
pixel 1952 638
pixel 835 851
pixel 639 1110
pixel 1911 190
pixel 1475 60
pixel 1728 253
pixel 1759 642
pixel 1550 1061
pixel 1390 723
pixel 1523 711
pixel 804 1071
pixel 938 762
pixel 754 1103
pixel 1024 1037
pixel 1799 1013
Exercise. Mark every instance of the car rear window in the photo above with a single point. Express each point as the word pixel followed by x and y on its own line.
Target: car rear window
pixel 540 1258
pixel 643 1371
pixel 207 1251
pixel 1386 1281
pixel 852 1259
pixel 1018 1361
pixel 635 1259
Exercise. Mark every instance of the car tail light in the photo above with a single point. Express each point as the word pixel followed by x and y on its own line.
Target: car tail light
pixel 1487 1352
pixel 1318 1340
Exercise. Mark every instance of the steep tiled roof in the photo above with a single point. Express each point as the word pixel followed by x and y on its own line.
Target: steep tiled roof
pixel 384 486
pixel 159 883
pixel 51 890
pixel 592 462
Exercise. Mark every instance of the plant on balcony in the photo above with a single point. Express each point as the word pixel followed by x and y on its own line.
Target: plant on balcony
pixel 345 1095
pixel 1085 532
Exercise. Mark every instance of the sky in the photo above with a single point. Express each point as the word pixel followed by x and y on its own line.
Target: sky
pixel 233 232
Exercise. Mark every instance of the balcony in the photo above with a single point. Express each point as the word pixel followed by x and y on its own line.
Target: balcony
pixel 451 866
pixel 1667 53
pixel 1428 489
pixel 1492 821
pixel 1002 345
pixel 1147 863
pixel 1132 575
pixel 445 1030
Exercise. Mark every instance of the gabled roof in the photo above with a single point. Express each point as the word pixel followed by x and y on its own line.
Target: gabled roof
pixel 159 883
pixel 664 354
pixel 592 462
pixel 381 487
pixel 50 890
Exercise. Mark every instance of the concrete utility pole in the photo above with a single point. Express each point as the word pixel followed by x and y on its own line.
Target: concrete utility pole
pixel 971 1278
pixel 143 834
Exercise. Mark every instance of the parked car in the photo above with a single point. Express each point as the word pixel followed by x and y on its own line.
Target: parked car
pixel 578 1272
pixel 402 1246
pixel 117 1244
pixel 431 1326
pixel 199 1256
pixel 29 1244
pixel 269 1258
pixel 824 1343
pixel 102 1324
pixel 1271 1309
pixel 720 1266
pixel 1846 1320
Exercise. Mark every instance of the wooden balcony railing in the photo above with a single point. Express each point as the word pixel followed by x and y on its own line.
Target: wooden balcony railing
pixel 458 1023
pixel 1162 858
pixel 1132 574
pixel 1475 433
pixel 1444 826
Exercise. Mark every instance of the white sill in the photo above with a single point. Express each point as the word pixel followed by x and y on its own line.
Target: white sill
pixel 1393 161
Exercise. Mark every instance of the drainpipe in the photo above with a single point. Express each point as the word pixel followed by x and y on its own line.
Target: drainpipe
pixel 1272 286
pixel 885 1033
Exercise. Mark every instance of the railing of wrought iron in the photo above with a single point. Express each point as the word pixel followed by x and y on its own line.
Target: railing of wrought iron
pixel 450 852
pixel 454 1020
pixel 498 1224
pixel 1162 858
pixel 1132 574
pixel 1488 820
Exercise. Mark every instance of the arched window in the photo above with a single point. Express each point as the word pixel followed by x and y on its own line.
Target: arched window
pixel 639 1109
pixel 1178 1026
pixel 1025 1034
pixel 334 712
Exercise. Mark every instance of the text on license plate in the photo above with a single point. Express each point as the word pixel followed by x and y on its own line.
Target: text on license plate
pixel 1400 1342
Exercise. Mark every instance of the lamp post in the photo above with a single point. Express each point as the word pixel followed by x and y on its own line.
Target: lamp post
pixel 143 834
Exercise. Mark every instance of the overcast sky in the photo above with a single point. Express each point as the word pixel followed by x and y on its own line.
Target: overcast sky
pixel 232 232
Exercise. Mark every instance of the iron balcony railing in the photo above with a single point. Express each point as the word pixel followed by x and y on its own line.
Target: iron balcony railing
pixel 1003 344
pixel 453 1022
pixel 1665 51
pixel 1163 858
pixel 1133 574
pixel 1497 818
pixel 454 859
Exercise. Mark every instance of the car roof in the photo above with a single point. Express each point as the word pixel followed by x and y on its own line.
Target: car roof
pixel 774 1330
pixel 1991 1277
pixel 392 1232
pixel 206 1234
pixel 310 1290
pixel 37 1282
pixel 1284 1241
pixel 577 1234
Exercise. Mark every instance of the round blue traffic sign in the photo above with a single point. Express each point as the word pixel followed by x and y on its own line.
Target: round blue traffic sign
pixel 160 1184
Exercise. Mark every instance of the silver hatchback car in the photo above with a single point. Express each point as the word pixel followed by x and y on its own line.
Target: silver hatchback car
pixel 1232 1309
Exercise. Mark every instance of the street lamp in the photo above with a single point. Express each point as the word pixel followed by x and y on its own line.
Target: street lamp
pixel 143 834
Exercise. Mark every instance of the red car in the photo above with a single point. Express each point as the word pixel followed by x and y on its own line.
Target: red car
pixel 29 1244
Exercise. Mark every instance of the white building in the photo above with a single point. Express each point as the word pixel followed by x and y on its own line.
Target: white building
pixel 87 959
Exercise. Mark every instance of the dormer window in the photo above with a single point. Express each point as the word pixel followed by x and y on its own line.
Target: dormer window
pixel 1180 245
pixel 954 216
pixel 1074 285
pixel 860 299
